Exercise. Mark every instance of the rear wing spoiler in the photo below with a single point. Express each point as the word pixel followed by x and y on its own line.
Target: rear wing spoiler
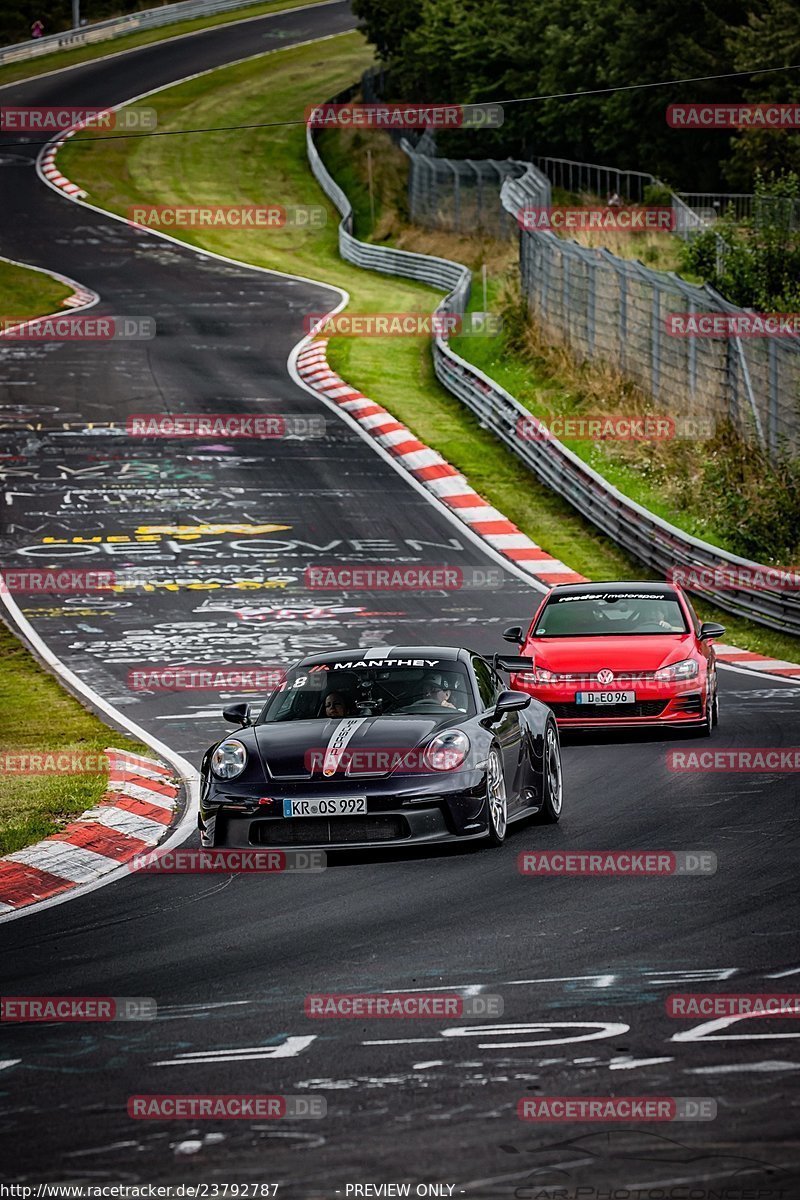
pixel 512 662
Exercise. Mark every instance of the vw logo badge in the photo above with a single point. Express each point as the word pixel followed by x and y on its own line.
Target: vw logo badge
pixel 605 676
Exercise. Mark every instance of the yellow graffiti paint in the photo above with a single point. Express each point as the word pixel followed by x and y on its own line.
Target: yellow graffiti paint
pixel 197 530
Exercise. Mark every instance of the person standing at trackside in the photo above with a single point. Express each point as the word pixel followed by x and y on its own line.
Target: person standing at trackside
pixel 37 29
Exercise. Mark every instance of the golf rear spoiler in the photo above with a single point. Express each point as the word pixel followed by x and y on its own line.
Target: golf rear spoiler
pixel 512 662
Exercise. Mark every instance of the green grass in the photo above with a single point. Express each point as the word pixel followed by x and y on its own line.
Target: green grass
pixel 543 394
pixel 38 716
pixel 70 58
pixel 25 293
pixel 261 166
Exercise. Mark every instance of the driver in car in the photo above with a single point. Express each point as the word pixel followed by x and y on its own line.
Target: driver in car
pixel 338 704
pixel 661 618
pixel 435 690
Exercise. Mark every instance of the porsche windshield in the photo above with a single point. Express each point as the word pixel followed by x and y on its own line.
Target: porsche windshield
pixel 610 614
pixel 340 690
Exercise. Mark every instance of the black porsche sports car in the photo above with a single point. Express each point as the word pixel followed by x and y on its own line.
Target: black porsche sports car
pixel 397 744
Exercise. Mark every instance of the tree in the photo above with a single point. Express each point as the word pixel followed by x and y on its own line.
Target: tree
pixel 474 50
pixel 757 265
pixel 385 23
pixel 770 37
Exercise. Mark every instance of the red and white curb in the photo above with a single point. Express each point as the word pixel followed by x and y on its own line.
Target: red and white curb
pixel 133 816
pixel 51 171
pixel 431 470
pixel 756 662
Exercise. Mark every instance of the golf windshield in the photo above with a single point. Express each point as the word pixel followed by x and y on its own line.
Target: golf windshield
pixel 341 690
pixel 611 614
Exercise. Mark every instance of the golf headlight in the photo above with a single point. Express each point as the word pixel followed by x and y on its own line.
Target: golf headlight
pixel 687 668
pixel 447 751
pixel 229 759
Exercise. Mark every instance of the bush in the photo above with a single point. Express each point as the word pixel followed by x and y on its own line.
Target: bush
pixel 755 265
pixel 756 502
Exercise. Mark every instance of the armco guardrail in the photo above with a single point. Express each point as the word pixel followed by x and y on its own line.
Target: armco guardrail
pixel 653 541
pixel 454 278
pixel 87 35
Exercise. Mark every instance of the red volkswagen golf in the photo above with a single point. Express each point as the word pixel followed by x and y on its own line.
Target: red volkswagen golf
pixel 621 655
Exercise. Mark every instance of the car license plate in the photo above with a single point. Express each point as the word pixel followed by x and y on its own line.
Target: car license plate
pixel 342 806
pixel 605 697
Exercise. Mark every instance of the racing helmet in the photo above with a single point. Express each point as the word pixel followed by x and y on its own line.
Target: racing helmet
pixel 436 679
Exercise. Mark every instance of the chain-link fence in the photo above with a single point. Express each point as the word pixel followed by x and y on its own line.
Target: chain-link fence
pixel 464 194
pixel 613 309
pixel 618 310
pixel 744 206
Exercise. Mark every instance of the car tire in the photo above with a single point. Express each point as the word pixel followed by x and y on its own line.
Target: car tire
pixel 496 799
pixel 552 777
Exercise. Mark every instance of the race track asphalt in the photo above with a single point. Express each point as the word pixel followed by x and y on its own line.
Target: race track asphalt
pixel 583 965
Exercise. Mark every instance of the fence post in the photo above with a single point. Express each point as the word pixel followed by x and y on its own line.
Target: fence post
pixel 655 341
pixel 591 296
pixel 456 195
pixel 773 404
pixel 692 355
pixel 622 278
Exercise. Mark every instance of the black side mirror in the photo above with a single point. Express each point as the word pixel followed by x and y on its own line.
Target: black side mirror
pixel 514 634
pixel 710 629
pixel 510 702
pixel 237 714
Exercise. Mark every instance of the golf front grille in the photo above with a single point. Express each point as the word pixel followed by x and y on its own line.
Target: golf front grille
pixel 594 712
pixel 324 831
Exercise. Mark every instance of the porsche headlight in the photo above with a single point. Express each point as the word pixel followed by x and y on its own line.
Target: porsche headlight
pixel 687 668
pixel 229 759
pixel 447 751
